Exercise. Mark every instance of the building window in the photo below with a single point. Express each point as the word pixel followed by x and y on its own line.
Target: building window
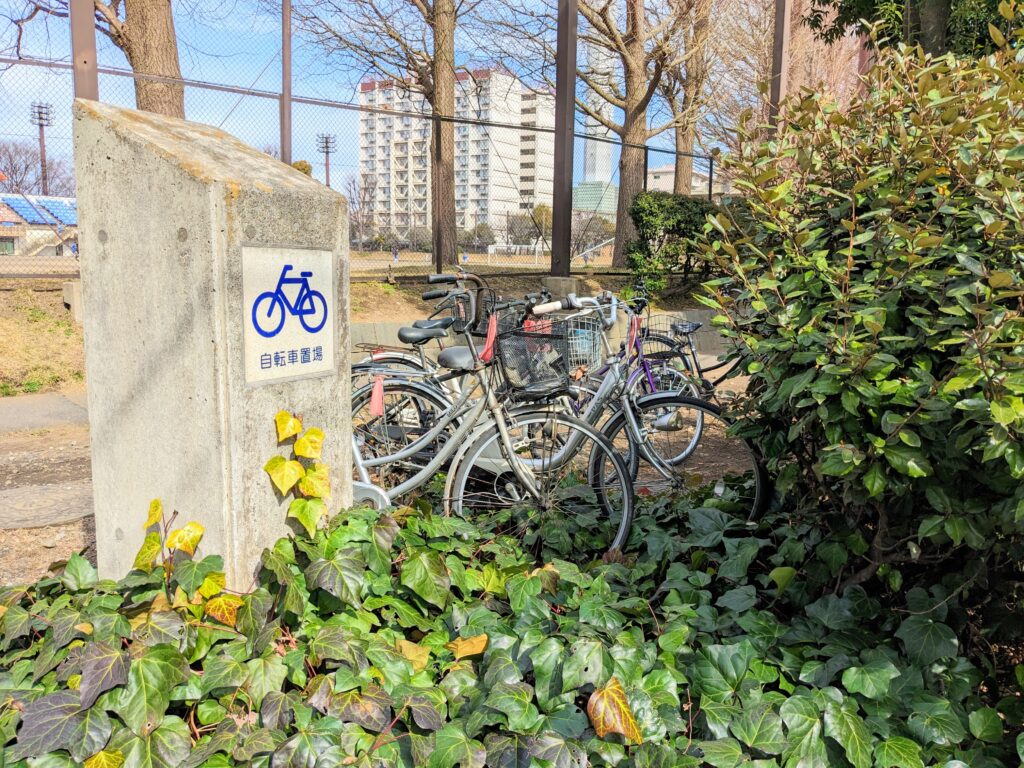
pixel 6 246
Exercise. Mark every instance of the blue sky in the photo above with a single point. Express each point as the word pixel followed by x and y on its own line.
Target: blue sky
pixel 234 43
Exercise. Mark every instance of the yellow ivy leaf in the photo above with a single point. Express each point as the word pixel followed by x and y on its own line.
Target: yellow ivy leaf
pixel 609 712
pixel 108 758
pixel 224 608
pixel 1000 279
pixel 287 425
pixel 310 444
pixel 284 473
pixel 186 538
pixel 549 577
pixel 467 646
pixel 74 682
pixel 147 552
pixel 212 584
pixel 3 610
pixel 85 628
pixel 316 482
pixel 419 655
pixel 156 513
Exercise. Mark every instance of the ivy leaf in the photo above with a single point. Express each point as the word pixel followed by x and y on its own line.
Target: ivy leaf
pixel 515 701
pixel 338 643
pixel 106 759
pixel 558 751
pixel 804 725
pixel 926 640
pixel 58 721
pixel 721 753
pixel 782 576
pixel 284 473
pixel 302 750
pixel 287 425
pixel 467 646
pixel 165 746
pixel 222 671
pixel 224 608
pixel 342 575
pixel 252 616
pixel 190 574
pixel 151 677
pixel 609 712
pixel 418 655
pixel 308 512
pixel 871 680
pixel 78 573
pixel 186 538
pixel 156 513
pixel 148 552
pixel 986 725
pixel 760 728
pixel 453 747
pixel 103 667
pixel 843 724
pixel 310 444
pixel 898 752
pixel 588 664
pixel 425 574
pixel 370 709
pixel 933 721
pixel 316 482
pixel 427 708
pixel 265 675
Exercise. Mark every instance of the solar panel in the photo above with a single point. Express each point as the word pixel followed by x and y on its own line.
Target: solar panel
pixel 31 214
pixel 65 213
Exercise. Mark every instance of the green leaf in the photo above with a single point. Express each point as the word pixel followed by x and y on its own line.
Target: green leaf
pixel 265 675
pixel 78 573
pixel 934 721
pixel 222 672
pixel 338 643
pixel 371 708
pixel 148 552
pixel 103 667
pixel 165 746
pixel 926 640
pixel 425 574
pixel 588 663
pixel 760 728
pixel 307 512
pixel 515 701
pixel 985 724
pixel 144 699
pixel 871 680
pixel 453 747
pixel 782 576
pixel 342 575
pixel 739 599
pixel 58 721
pixel 722 753
pixel 804 724
pixel 898 752
pixel 843 724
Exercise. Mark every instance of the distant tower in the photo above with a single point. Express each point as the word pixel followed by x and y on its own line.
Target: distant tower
pixel 597 155
pixel 42 116
pixel 325 143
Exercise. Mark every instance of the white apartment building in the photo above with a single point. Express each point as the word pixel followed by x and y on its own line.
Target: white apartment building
pixel 498 171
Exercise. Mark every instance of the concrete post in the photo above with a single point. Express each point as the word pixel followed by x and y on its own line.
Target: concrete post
pixel 193 342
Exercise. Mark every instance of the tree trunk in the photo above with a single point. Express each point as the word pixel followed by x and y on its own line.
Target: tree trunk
pixel 686 135
pixel 442 144
pixel 933 16
pixel 692 93
pixel 631 182
pixel 151 47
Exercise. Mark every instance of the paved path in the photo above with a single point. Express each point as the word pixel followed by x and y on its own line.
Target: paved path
pixel 40 411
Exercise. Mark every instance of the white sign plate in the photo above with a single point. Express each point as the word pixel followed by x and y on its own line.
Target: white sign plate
pixel 288 306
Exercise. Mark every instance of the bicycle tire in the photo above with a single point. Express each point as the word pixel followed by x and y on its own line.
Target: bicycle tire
pixel 275 301
pixel 663 360
pixel 311 297
pixel 484 485
pixel 724 464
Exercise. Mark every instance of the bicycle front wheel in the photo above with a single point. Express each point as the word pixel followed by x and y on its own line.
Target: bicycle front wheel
pixel 696 458
pixel 559 486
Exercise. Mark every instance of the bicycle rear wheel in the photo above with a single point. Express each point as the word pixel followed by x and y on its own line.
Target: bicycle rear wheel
pixel 582 503
pixel 691 441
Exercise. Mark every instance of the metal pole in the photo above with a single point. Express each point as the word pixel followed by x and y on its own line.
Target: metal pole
pixel 83 50
pixel 780 59
pixel 711 178
pixel 286 81
pixel 43 175
pixel 647 162
pixel 327 161
pixel 565 113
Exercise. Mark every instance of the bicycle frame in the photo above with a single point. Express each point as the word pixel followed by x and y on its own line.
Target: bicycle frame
pixel 303 280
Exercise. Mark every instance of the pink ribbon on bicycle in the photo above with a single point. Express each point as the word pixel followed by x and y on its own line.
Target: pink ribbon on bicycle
pixel 634 330
pixel 492 334
pixel 377 397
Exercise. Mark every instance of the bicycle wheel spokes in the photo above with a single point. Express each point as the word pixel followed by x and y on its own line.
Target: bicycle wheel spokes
pixel 561 511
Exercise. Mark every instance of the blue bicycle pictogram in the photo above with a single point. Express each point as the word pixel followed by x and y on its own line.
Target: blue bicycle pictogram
pixel 268 311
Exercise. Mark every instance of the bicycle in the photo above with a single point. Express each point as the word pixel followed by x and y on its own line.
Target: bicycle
pixel 305 305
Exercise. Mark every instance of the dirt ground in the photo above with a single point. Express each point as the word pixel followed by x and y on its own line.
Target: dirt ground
pixel 40 346
pixel 26 554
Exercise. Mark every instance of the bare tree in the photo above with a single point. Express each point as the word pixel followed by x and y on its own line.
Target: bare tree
pixel 642 39
pixel 410 44
pixel 359 194
pixel 19 162
pixel 142 29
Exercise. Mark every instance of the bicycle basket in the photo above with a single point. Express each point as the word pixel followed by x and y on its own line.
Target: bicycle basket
pixel 584 342
pixel 532 355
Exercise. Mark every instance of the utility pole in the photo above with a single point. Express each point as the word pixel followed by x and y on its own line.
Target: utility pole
pixel 285 106
pixel 42 116
pixel 325 143
pixel 565 114
pixel 780 59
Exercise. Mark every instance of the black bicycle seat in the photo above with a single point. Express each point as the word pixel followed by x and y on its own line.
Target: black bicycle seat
pixel 457 359
pixel 417 336
pixel 686 327
pixel 437 322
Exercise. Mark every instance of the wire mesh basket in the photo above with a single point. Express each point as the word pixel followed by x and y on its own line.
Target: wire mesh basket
pixel 585 346
pixel 533 355
pixel 671 325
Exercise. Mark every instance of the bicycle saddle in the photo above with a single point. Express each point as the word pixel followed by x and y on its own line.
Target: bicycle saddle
pixel 417 336
pixel 686 327
pixel 457 359
pixel 437 322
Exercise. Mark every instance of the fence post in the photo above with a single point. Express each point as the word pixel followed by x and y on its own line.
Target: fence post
pixel 647 164
pixel 711 177
pixel 565 113
pixel 83 50
pixel 286 81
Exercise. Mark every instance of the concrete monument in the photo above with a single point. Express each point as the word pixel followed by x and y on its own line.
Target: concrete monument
pixel 215 290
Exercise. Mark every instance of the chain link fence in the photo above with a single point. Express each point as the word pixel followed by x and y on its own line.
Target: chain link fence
pixel 373 148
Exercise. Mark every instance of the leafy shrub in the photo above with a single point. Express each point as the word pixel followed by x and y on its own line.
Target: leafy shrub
pixel 408 639
pixel 880 280
pixel 665 225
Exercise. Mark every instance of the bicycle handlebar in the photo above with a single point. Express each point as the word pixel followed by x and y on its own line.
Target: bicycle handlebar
pixel 437 293
pixel 434 279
